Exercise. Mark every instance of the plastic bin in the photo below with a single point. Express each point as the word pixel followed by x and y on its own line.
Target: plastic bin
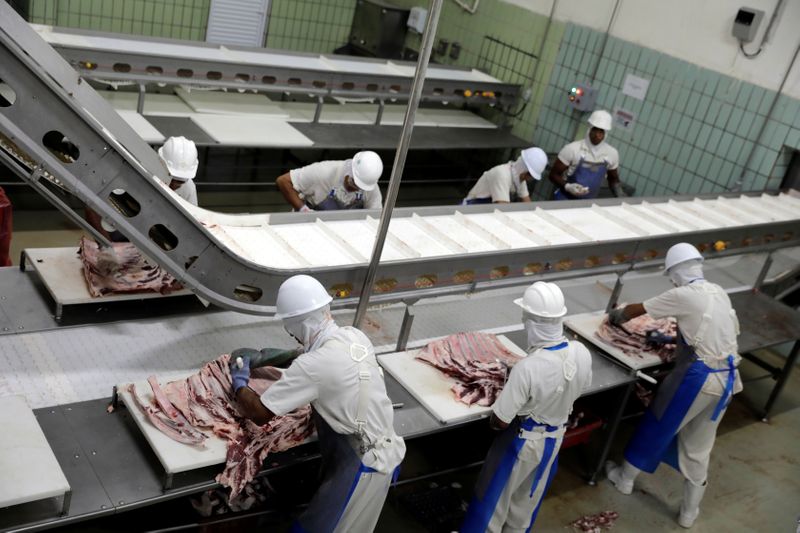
pixel 580 435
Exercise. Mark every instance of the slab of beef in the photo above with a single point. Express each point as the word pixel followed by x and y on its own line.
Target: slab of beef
pixel 204 401
pixel 132 272
pixel 631 337
pixel 596 523
pixel 479 362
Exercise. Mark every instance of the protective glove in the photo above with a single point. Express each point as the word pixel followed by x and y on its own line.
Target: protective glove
pixel 576 189
pixel 304 209
pixel 618 192
pixel 655 338
pixel 240 377
pixel 108 261
pixel 617 316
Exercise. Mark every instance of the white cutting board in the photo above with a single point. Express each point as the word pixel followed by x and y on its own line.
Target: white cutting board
pixel 174 456
pixel 586 324
pixel 61 270
pixel 250 130
pixel 231 103
pixel 432 387
pixel 29 470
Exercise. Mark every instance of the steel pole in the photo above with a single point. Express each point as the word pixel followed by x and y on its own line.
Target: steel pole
pixel 400 157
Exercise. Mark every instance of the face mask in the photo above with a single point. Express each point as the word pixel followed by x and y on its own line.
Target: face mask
pixel 684 273
pixel 306 328
pixel 541 332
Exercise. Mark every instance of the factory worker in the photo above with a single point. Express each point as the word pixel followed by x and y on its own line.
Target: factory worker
pixel 179 155
pixel 339 375
pixel 531 412
pixel 333 185
pixel 581 166
pixel 681 423
pixel 508 182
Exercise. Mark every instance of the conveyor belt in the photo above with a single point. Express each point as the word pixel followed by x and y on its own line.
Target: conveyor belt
pixel 238 262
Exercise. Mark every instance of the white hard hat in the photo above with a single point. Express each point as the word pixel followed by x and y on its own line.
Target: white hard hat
pixel 535 160
pixel 180 156
pixel 543 299
pixel 600 119
pixel 300 295
pixel 680 253
pixel 367 170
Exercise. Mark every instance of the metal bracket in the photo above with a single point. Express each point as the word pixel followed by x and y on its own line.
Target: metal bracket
pixel 405 327
pixel 763 273
pixel 615 292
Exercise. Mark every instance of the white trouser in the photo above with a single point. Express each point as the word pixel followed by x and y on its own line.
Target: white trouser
pixel 696 438
pixel 364 507
pixel 516 504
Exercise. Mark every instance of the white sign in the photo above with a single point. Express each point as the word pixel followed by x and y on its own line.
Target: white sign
pixel 635 86
pixel 623 118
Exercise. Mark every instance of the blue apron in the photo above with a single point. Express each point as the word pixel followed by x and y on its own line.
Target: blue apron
pixel 587 174
pixel 331 203
pixel 498 467
pixel 655 439
pixel 342 469
pixel 476 201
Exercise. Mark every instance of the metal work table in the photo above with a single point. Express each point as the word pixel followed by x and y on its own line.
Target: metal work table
pixel 356 136
pixel 765 323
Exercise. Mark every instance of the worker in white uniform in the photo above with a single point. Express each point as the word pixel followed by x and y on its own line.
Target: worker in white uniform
pixel 508 182
pixel 340 377
pixel 680 425
pixel 531 412
pixel 179 156
pixel 333 185
pixel 581 166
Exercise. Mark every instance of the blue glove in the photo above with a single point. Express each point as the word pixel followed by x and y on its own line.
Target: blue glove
pixel 656 338
pixel 617 316
pixel 240 377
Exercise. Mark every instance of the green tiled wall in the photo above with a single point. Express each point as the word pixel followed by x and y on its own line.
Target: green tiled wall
pixel 177 19
pixel 309 25
pixel 693 131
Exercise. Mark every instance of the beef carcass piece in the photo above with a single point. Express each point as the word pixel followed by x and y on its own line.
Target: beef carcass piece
pixel 134 272
pixel 631 336
pixel 204 401
pixel 595 523
pixel 479 362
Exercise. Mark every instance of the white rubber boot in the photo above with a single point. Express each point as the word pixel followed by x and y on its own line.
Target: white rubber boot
pixel 622 477
pixel 690 506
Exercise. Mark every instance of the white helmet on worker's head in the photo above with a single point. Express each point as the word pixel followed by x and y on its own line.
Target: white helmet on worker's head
pixel 367 170
pixel 681 253
pixel 179 154
pixel 300 295
pixel 535 160
pixel 600 119
pixel 544 300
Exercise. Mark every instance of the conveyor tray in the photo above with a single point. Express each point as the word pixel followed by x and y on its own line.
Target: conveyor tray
pixel 432 388
pixel 61 272
pixel 586 324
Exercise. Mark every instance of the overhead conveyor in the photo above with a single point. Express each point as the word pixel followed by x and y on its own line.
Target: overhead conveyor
pixel 238 262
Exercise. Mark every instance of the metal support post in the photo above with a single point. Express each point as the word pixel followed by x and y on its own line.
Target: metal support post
pixel 66 503
pixel 405 328
pixel 763 274
pixel 381 108
pixel 400 157
pixel 782 378
pixel 140 100
pixel 318 109
pixel 612 432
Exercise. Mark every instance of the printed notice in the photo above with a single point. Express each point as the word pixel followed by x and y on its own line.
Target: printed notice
pixel 635 86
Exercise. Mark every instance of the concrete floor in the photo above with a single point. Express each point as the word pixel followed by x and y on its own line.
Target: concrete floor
pixel 754 479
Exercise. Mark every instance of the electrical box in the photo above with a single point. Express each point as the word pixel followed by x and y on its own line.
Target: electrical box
pixel 417 18
pixel 746 23
pixel 379 29
pixel 582 97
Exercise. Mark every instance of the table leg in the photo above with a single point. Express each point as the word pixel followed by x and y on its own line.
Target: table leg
pixel 782 379
pixel 612 432
pixel 66 502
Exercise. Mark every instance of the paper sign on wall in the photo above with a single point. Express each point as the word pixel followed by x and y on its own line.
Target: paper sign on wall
pixel 624 119
pixel 635 86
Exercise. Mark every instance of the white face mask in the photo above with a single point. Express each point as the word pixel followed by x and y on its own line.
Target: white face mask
pixel 684 273
pixel 542 331
pixel 306 328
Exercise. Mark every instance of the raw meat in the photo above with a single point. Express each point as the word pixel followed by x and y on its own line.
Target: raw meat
pixel 595 523
pixel 133 274
pixel 204 401
pixel 630 338
pixel 479 362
